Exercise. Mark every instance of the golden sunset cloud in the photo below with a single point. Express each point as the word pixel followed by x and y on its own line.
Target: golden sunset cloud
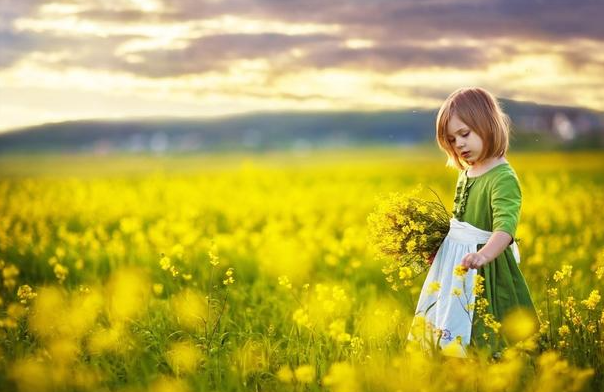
pixel 91 59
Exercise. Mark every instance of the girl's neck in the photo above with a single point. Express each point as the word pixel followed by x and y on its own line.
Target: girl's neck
pixel 484 166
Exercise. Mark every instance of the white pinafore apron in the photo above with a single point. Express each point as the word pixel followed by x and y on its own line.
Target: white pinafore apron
pixel 446 314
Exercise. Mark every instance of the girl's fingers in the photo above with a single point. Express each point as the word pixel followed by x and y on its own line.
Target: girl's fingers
pixel 466 261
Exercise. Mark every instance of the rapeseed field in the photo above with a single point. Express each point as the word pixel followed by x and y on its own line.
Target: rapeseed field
pixel 242 272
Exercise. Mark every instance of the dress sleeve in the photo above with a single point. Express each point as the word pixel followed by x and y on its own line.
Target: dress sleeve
pixel 506 199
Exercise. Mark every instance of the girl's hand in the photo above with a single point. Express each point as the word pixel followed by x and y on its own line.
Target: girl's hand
pixel 474 260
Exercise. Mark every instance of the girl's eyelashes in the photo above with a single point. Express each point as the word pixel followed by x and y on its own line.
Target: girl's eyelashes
pixel 464 135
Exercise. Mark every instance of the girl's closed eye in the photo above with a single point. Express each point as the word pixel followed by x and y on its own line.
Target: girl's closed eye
pixel 464 135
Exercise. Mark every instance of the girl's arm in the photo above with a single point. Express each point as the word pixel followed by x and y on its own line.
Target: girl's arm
pixel 496 244
pixel 506 198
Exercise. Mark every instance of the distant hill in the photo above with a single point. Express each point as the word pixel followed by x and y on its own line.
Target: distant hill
pixel 535 126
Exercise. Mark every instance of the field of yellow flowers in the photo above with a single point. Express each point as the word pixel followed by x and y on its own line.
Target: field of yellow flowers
pixel 244 272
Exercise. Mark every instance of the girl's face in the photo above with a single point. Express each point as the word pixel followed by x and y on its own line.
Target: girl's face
pixel 466 143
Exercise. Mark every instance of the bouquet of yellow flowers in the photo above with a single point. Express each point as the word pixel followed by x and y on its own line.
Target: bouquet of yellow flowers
pixel 407 230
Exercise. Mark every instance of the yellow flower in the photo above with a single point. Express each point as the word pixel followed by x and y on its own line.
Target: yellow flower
pixel 174 271
pixel 552 292
pixel 25 293
pixel 9 274
pixel 61 272
pixel 600 272
pixel 460 271
pixel 229 277
pixel 433 287
pixel 478 287
pixel 177 251
pixel 481 305
pixel 563 330
pixel 456 291
pixel 341 378
pixel 213 255
pixel 405 273
pixel 337 330
pixel 411 246
pixel 356 344
pixel 519 325
pixel 454 349
pixel 15 310
pixel 566 272
pixel 489 321
pixel 183 357
pixel 79 264
pixel 31 375
pixel 592 301
pixel 285 374
pixel 301 318
pixel 190 308
pixel 158 288
pixel 544 327
pixel 164 262
pixel 576 320
pixel 284 281
pixel 305 374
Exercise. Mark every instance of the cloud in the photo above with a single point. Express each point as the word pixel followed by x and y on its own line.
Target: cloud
pixel 61 51
pixel 13 46
pixel 13 9
pixel 420 19
pixel 215 53
pixel 395 57
pixel 404 33
pixel 307 53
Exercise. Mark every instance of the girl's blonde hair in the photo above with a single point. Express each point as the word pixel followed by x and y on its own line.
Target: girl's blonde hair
pixel 480 111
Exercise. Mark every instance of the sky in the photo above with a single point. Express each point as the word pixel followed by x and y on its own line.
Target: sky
pixel 80 59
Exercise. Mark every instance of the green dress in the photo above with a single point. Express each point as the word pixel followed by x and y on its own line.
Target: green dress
pixel 491 202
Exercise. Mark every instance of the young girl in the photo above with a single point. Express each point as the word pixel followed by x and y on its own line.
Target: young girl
pixel 479 247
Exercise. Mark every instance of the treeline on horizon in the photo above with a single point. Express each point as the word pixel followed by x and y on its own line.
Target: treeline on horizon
pixel 534 127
